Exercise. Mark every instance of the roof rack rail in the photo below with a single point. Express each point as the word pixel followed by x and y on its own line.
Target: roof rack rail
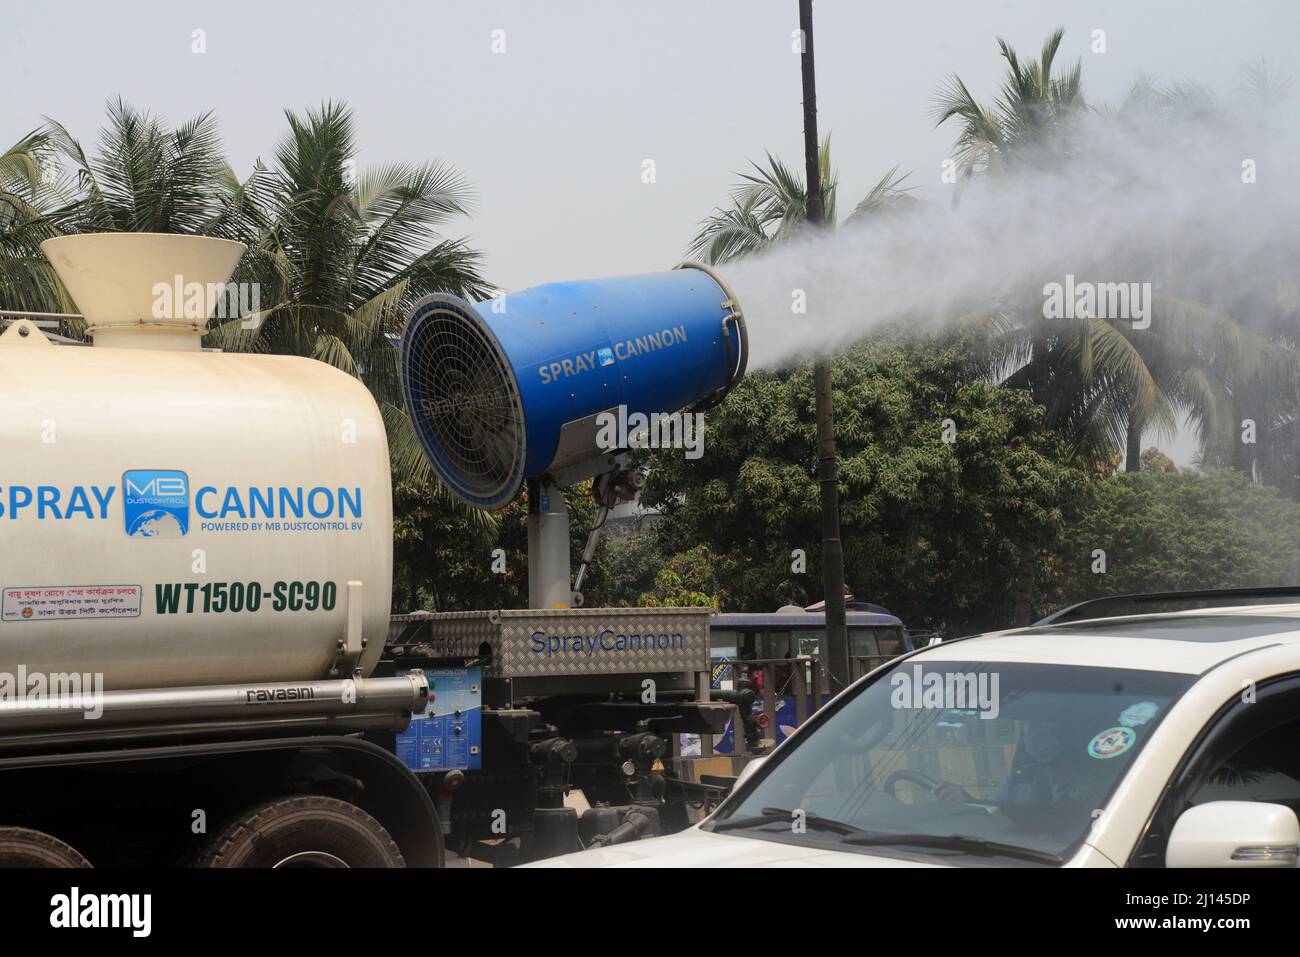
pixel 1111 605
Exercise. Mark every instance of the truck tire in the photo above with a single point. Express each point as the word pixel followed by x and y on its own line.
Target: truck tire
pixel 22 847
pixel 307 831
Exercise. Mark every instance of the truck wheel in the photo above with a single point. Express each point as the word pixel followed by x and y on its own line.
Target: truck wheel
pixel 21 847
pixel 308 831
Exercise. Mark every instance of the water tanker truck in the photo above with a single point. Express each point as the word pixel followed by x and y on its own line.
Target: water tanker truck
pixel 199 663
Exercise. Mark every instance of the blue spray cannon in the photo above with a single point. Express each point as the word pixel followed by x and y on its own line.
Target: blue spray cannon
pixel 514 391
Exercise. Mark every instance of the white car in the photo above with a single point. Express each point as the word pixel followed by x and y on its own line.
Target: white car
pixel 1141 741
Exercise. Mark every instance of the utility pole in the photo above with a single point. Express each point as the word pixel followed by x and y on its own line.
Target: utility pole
pixel 836 651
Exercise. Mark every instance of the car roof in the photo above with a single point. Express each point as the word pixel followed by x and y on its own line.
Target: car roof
pixel 1186 642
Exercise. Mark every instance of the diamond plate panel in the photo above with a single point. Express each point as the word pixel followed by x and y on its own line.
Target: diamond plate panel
pixel 539 643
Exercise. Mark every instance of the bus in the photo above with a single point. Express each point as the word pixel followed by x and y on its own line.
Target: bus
pixel 781 656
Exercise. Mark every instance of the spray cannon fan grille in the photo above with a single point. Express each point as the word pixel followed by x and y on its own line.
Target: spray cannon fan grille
pixel 461 395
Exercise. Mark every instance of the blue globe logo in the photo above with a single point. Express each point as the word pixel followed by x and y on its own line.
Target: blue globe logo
pixel 156 523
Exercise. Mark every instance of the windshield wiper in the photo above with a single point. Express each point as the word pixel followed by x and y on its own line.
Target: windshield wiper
pixel 956 842
pixel 770 815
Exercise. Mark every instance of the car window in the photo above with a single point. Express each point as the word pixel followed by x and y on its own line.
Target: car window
pixel 1266 769
pixel 1014 753
pixel 1248 751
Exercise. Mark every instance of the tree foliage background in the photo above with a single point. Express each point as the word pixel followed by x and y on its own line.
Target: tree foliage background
pixel 934 530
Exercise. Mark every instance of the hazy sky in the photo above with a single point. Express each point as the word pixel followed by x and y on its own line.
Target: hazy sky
pixel 554 131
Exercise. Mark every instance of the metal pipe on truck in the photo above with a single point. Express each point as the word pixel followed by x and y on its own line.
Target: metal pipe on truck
pixel 84 709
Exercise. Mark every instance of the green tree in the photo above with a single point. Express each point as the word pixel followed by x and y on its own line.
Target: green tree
pixel 146 176
pixel 686 580
pixel 445 559
pixel 1165 531
pixel 1222 350
pixel 1153 460
pixel 1030 116
pixel 769 206
pixel 953 492
pixel 1264 392
pixel 341 255
pixel 1103 382
pixel 27 281
pixel 627 568
pixel 338 254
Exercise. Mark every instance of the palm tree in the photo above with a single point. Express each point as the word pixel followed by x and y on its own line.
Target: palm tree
pixel 1103 383
pixel 340 257
pixel 1234 358
pixel 27 281
pixel 1268 392
pixel 769 206
pixel 146 176
pixel 337 257
pixel 1029 115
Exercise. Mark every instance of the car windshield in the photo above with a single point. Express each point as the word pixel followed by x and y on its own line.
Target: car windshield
pixel 957 759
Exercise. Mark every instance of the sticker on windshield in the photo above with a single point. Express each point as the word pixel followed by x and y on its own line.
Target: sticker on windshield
pixel 1111 743
pixel 1139 713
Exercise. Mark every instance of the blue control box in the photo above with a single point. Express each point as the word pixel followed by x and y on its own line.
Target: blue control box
pixel 449 734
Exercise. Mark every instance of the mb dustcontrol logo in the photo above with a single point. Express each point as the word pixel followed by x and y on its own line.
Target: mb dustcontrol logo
pixel 156 503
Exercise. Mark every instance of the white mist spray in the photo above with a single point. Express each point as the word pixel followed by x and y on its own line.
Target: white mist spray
pixel 1206 209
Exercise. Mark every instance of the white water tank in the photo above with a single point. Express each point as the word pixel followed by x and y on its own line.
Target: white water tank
pixel 171 516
